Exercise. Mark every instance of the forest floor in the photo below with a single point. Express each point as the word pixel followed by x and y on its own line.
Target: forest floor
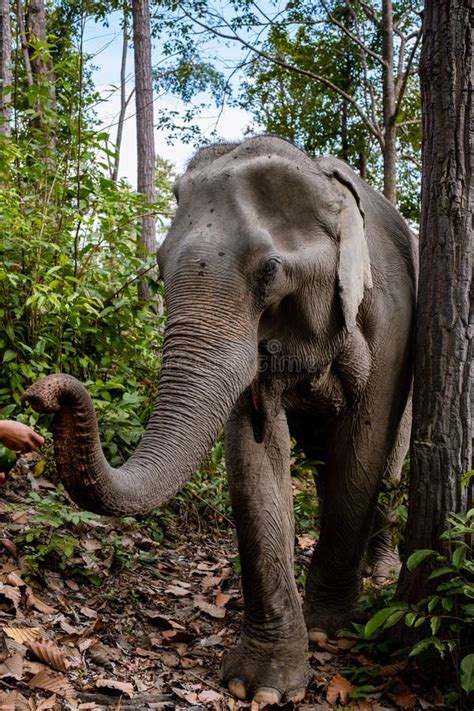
pixel 99 613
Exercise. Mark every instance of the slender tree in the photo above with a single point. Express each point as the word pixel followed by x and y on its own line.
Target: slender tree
pixel 5 67
pixel 124 99
pixel 146 160
pixel 41 63
pixel 442 426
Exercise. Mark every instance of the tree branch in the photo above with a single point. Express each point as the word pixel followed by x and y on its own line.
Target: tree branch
pixel 402 86
pixel 290 67
pixel 352 36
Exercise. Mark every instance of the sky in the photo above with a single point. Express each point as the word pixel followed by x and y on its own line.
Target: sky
pixel 105 44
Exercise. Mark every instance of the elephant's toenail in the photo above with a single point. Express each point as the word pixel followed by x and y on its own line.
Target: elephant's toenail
pixel 317 636
pixel 237 688
pixel 266 695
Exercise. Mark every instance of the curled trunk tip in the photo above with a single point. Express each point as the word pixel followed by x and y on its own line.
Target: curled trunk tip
pixel 54 391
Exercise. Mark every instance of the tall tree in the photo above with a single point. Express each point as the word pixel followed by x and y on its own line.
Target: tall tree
pixel 124 99
pixel 146 160
pixel 383 38
pixel 442 425
pixel 41 62
pixel 5 67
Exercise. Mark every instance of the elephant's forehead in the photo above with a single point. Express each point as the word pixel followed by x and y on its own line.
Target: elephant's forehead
pixel 268 188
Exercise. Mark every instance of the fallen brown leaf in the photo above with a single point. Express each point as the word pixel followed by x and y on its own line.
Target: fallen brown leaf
pixel 8 700
pixel 177 590
pixel 210 581
pixel 48 652
pixel 363 705
pixel 123 686
pixel 322 657
pixel 10 546
pixel 208 696
pixel 20 517
pixel 305 542
pixel 47 703
pixel 14 579
pixel 401 695
pixel 168 658
pixel 222 599
pixel 212 610
pixel 102 654
pixel 53 681
pixel 22 634
pixel 189 696
pixel 345 643
pixel 11 593
pixel 39 604
pixel 393 669
pixel 339 689
pixel 12 667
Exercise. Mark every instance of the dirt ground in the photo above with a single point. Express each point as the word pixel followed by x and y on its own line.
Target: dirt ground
pixel 146 622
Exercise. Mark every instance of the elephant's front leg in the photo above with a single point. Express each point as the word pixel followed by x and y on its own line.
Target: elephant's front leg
pixel 270 663
pixel 356 460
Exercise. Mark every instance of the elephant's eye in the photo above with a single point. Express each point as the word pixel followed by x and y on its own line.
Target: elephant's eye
pixel 270 268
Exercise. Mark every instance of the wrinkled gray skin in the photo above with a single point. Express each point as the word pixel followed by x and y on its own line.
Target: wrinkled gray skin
pixel 290 287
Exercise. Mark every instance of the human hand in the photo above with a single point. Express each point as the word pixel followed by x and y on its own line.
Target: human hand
pixel 19 437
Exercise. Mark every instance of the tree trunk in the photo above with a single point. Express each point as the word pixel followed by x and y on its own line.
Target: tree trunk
pixel 123 96
pixel 442 426
pixel 41 62
pixel 5 67
pixel 145 138
pixel 389 103
pixel 24 44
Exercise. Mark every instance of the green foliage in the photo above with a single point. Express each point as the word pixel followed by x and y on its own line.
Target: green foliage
pixel 446 616
pixel 56 533
pixel 315 116
pixel 206 496
pixel 69 267
pixel 305 500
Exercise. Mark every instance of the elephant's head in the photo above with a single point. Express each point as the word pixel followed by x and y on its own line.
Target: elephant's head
pixel 265 243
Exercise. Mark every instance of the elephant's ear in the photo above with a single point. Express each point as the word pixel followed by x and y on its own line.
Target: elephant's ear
pixel 353 272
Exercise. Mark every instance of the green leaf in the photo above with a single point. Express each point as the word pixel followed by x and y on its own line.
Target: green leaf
pixel 440 571
pixel 410 618
pixel 435 623
pixel 447 604
pixel 379 619
pixel 9 356
pixel 467 673
pixel 418 557
pixel 393 619
pixel 459 555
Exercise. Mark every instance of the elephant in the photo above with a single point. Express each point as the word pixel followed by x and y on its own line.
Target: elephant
pixel 290 287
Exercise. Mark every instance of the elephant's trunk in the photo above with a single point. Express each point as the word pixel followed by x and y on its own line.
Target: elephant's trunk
pixel 204 371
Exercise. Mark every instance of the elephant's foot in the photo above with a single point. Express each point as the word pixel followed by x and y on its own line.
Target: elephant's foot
pixel 268 672
pixel 322 624
pixel 385 567
pixel 326 615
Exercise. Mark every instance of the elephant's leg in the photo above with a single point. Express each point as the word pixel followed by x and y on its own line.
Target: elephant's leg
pixel 270 661
pixel 358 453
pixel 382 559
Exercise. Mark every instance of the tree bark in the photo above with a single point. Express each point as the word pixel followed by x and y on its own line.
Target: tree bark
pixel 41 64
pixel 144 116
pixel 24 45
pixel 442 426
pixel 5 67
pixel 389 103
